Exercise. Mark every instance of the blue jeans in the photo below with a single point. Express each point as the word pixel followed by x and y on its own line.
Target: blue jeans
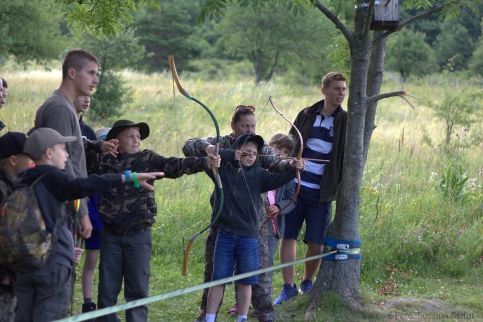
pixel 235 253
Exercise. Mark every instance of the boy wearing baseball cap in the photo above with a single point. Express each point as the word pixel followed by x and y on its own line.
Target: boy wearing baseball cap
pixel 12 161
pixel 44 294
pixel 236 246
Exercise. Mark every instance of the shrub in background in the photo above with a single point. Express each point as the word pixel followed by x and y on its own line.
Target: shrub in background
pixel 110 97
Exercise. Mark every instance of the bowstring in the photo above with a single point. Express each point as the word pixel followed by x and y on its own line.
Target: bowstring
pixel 176 135
pixel 258 117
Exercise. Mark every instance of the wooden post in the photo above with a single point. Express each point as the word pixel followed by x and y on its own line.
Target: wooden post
pixel 385 15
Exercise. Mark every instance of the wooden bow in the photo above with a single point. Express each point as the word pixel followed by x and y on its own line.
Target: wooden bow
pixel 219 188
pixel 299 153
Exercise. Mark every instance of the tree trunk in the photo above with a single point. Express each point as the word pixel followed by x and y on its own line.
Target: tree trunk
pixel 449 131
pixel 258 65
pixel 343 277
pixel 374 82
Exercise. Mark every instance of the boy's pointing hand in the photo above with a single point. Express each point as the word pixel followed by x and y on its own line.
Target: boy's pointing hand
pixel 144 177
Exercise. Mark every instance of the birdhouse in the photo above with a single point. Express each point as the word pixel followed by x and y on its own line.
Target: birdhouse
pixel 385 15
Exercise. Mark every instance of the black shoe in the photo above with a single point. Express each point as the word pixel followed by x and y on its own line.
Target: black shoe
pixel 88 307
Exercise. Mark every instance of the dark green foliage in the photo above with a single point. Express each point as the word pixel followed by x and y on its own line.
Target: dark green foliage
pixel 104 17
pixel 30 30
pixel 114 53
pixel 338 54
pixel 110 97
pixel 475 64
pixel 117 52
pixel 408 54
pixel 454 46
pixel 215 9
pixel 169 31
pixel 453 34
pixel 274 38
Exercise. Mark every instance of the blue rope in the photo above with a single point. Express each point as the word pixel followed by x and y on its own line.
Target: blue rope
pixel 344 249
pixel 164 296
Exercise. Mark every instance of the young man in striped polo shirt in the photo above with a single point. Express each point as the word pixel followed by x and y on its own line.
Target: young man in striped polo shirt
pixel 322 126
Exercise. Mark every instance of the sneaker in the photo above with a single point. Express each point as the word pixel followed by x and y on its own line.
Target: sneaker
pixel 286 294
pixel 201 317
pixel 233 310
pixel 306 286
pixel 88 307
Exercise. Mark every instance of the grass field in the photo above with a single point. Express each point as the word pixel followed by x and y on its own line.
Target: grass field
pixel 418 241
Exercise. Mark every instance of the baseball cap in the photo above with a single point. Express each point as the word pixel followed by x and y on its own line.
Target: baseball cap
pixel 12 143
pixel 43 138
pixel 244 138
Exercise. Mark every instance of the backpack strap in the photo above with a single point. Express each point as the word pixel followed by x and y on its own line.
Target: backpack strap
pixel 38 179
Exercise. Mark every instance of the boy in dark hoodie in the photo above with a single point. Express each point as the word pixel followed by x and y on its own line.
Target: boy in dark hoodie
pixel 44 294
pixel 236 247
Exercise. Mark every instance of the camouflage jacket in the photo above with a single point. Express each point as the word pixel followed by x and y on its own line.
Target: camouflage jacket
pixel 268 160
pixel 6 188
pixel 6 185
pixel 126 210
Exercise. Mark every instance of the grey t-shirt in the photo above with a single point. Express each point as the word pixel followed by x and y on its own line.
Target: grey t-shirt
pixel 58 113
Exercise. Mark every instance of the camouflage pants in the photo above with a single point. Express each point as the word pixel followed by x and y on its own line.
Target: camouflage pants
pixel 8 302
pixel 261 293
pixel 209 252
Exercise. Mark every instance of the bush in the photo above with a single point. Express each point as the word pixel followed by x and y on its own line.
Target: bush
pixel 110 97
pixel 409 54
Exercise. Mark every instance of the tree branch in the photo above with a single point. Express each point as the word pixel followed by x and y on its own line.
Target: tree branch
pixel 370 10
pixel 401 94
pixel 410 20
pixel 337 22
pixel 378 97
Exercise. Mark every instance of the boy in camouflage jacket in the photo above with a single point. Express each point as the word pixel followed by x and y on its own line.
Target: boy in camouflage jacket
pixel 12 161
pixel 128 215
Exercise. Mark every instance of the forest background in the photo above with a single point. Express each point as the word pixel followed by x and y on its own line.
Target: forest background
pixel 421 200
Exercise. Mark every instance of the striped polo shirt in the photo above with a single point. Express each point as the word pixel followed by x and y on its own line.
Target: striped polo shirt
pixel 317 146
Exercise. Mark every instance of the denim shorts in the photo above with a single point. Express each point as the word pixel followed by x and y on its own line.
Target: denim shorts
pixel 93 242
pixel 316 216
pixel 235 253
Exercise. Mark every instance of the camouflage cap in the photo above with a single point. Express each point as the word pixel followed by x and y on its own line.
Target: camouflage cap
pixel 43 138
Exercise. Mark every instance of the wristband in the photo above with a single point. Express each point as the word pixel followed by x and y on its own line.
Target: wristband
pixel 127 175
pixel 135 180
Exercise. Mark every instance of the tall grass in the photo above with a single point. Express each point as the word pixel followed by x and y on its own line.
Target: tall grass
pixel 412 233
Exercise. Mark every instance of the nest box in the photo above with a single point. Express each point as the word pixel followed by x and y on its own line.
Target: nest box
pixel 385 15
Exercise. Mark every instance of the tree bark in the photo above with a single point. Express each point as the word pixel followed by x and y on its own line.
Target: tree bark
pixel 374 83
pixel 258 64
pixel 343 277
